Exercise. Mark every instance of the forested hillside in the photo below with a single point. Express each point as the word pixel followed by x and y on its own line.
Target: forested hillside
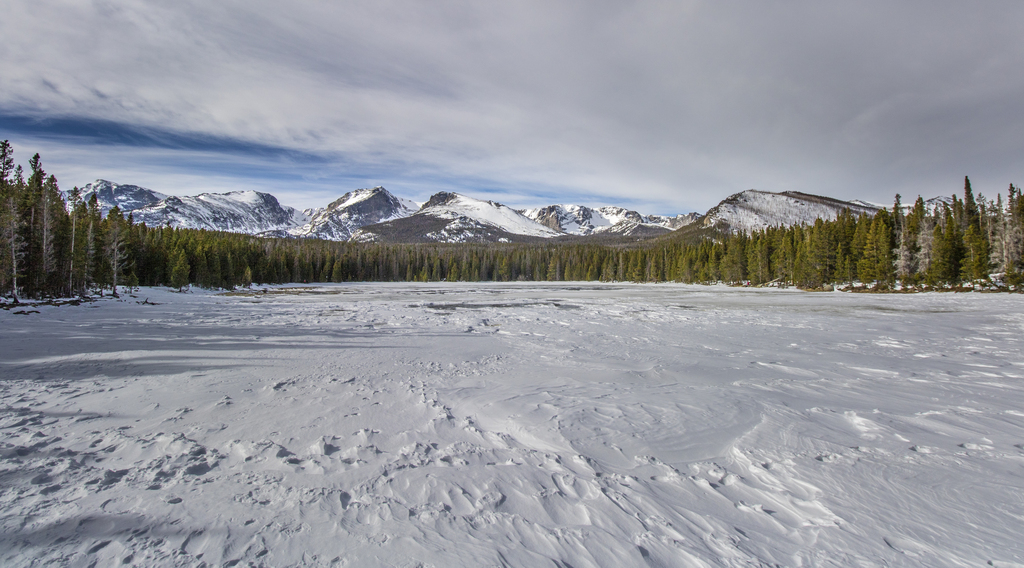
pixel 52 247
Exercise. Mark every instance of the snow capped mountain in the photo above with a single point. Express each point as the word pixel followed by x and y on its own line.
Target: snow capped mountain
pixel 752 210
pixel 580 219
pixel 672 223
pixel 125 197
pixel 354 210
pixel 375 214
pixel 455 206
pixel 933 204
pixel 455 218
pixel 249 212
pixel 867 204
pixel 583 220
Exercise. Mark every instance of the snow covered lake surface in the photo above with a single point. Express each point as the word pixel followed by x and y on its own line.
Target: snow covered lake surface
pixel 514 425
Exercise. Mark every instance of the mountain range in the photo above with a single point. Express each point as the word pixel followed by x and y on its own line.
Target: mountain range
pixel 376 215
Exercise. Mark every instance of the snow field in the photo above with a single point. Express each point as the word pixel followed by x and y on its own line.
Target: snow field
pixel 514 425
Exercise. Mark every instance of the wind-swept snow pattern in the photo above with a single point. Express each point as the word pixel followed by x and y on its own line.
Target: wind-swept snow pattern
pixel 514 425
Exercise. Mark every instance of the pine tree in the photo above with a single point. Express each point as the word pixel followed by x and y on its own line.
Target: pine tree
pixel 867 266
pixel 884 266
pixel 75 207
pixel 947 251
pixel 11 184
pixel 131 282
pixel 898 218
pixel 31 225
pixel 734 264
pixel 976 255
pixel 1007 238
pixel 970 215
pixel 115 246
pixel 95 241
pixel 860 242
pixel 180 271
pixel 908 249
pixel 823 248
pixel 554 268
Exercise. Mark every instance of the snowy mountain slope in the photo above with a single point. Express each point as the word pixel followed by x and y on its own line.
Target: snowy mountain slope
pixel 933 204
pixel 580 219
pixel 249 212
pixel 634 228
pixel 454 206
pixel 125 197
pixel 868 204
pixel 583 220
pixel 672 223
pixel 455 218
pixel 354 210
pixel 752 210
pixel 430 229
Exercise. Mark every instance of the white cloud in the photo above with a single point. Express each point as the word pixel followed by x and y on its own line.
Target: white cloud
pixel 672 104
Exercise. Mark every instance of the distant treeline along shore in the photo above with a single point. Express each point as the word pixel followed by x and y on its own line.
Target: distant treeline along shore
pixel 52 247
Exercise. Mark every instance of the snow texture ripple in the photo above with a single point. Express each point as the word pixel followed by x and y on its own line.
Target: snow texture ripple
pixel 514 425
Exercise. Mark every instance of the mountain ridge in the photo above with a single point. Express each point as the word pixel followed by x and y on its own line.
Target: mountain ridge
pixel 340 220
pixel 249 212
pixel 377 215
pixel 125 197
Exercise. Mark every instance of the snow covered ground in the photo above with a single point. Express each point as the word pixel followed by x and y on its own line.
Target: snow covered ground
pixel 514 425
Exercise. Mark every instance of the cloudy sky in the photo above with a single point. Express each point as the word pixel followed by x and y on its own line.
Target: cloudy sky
pixel 664 106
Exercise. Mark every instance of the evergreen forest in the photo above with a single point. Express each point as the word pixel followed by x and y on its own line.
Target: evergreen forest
pixel 57 246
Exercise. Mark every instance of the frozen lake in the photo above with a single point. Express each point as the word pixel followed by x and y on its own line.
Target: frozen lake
pixel 514 425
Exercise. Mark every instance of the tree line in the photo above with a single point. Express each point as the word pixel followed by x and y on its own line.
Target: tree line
pixel 950 244
pixel 55 246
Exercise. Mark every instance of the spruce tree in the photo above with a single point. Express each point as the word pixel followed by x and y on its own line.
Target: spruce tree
pixel 180 271
pixel 11 237
pixel 976 255
pixel 970 215
pixel 898 218
pixel 884 266
pixel 97 267
pixel 947 252
pixel 74 262
pixel 867 266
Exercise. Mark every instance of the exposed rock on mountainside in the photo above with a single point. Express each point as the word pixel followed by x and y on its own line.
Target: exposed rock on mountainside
pixel 354 210
pixel 249 212
pixel 454 218
pixel 583 220
pixel 125 197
